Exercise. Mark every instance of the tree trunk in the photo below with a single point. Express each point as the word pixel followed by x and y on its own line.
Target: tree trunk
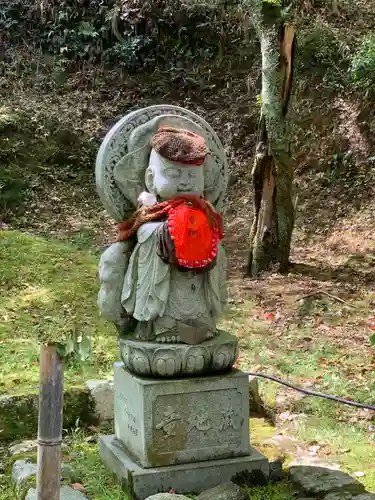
pixel 50 424
pixel 271 232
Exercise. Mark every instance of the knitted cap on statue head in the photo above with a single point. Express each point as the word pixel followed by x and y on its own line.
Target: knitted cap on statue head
pixel 180 146
pixel 125 153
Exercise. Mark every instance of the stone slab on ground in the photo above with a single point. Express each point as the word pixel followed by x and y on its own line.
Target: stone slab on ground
pixel 167 496
pixel 173 421
pixel 306 460
pixel 66 493
pixel 226 491
pixel 22 470
pixel 348 496
pixel 196 477
pixel 321 481
pixel 340 496
pixel 102 392
pixel 26 446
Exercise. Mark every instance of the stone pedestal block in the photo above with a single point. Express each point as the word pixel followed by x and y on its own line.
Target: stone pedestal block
pixel 164 422
pixel 186 434
pixel 187 478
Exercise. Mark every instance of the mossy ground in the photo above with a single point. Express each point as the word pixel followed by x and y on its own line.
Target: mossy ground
pixel 42 275
pixel 49 290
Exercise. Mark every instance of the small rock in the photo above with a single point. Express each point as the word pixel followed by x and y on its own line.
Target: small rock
pixel 22 470
pixel 91 439
pixel 102 393
pixel 78 487
pixel 2 468
pixel 359 474
pixel 226 491
pixel 66 493
pixel 276 471
pixel 23 447
pixel 167 496
pixel 320 481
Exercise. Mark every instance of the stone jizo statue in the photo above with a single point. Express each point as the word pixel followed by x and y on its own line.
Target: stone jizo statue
pixel 162 174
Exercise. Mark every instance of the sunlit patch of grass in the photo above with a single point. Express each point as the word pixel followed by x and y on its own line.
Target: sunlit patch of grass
pixel 345 443
pixel 260 432
pixel 49 290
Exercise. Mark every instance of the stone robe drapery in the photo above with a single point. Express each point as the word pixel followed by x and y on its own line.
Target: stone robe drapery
pixel 158 295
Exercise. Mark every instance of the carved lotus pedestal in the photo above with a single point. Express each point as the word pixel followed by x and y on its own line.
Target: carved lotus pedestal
pixel 150 359
pixel 186 434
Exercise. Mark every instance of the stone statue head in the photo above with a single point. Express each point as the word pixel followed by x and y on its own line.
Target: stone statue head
pixel 168 179
pixel 176 163
pixel 128 163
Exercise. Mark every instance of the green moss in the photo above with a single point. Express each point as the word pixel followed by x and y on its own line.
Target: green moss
pixel 273 492
pixel 19 414
pixel 49 290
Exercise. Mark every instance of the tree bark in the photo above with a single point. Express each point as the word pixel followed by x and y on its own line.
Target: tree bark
pixel 50 424
pixel 272 174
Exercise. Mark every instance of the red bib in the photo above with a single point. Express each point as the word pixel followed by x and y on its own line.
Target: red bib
pixel 195 240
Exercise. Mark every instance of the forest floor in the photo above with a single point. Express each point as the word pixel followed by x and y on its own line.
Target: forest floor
pixel 309 326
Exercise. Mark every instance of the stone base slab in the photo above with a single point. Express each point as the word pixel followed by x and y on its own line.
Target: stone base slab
pixel 188 478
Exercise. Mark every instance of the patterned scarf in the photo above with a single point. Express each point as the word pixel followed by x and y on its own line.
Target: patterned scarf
pixel 160 212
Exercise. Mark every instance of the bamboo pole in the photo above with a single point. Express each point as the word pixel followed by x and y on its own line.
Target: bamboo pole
pixel 50 424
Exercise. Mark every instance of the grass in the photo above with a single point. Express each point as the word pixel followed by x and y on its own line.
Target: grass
pixel 83 458
pixel 273 492
pixel 81 454
pixel 49 290
pixel 315 340
pixel 50 286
